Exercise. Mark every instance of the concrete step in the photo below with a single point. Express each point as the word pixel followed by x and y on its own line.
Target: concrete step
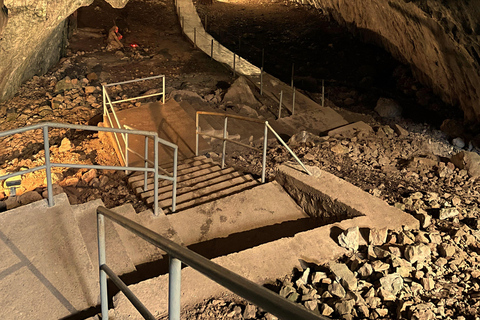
pixel 206 126
pixel 186 163
pixel 117 257
pixel 46 270
pixel 209 193
pixel 187 174
pixel 139 250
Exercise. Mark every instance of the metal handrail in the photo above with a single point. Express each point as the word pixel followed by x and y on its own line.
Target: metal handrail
pixel 225 139
pixel 49 165
pixel 255 293
pixel 108 104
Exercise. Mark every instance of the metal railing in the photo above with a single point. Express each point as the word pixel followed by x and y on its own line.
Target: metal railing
pixel 262 297
pixel 108 106
pixel 49 165
pixel 224 138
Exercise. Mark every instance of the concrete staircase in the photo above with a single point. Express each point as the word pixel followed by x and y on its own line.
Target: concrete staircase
pixel 49 254
pixel 199 180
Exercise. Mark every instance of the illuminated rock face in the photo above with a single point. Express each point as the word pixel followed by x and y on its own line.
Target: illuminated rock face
pixel 34 37
pixel 439 39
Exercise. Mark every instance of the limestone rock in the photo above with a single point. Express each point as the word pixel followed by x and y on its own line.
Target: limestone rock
pixel 344 306
pixel 377 237
pixel 240 93
pixel 65 146
pixel 417 252
pixel 447 213
pixel 388 108
pixel 303 137
pixel 350 238
pixel 29 197
pixel 351 130
pixel 89 175
pixel 469 161
pixel 392 282
pixel 336 290
pixel 344 275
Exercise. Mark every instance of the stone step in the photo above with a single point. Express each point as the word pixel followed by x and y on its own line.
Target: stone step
pixel 200 182
pixel 185 173
pixel 46 270
pixel 209 193
pixel 139 250
pixel 192 174
pixel 117 257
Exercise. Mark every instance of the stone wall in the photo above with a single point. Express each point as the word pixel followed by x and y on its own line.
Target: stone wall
pixel 33 39
pixel 439 39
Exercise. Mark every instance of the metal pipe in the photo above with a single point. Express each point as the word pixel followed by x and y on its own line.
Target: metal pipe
pixel 174 286
pixel 145 175
pixel 174 184
pixel 48 166
pixel 126 152
pixel 101 261
pixel 163 89
pixel 293 71
pixel 233 116
pixel 137 98
pixel 128 293
pixel 134 80
pixel 224 143
pixel 211 54
pixel 280 105
pixel 293 101
pixel 288 148
pixel 264 157
pixel 197 131
pixel 155 178
pixel 323 93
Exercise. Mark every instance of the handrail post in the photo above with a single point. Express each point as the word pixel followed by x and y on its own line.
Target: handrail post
pixel 196 133
pixel 224 141
pixel 174 285
pixel 145 174
pixel 101 261
pixel 155 178
pixel 48 166
pixel 126 152
pixel 174 182
pixel 103 101
pixel 163 98
pixel 264 157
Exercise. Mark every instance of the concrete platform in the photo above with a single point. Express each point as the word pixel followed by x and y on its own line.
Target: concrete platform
pixel 270 261
pixel 264 205
pixel 171 123
pixel 45 270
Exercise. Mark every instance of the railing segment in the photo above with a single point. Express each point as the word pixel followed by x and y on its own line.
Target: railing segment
pixel 44 126
pixel 225 139
pixel 262 297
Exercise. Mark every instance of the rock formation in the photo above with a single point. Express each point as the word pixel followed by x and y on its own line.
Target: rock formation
pixel 34 38
pixel 439 39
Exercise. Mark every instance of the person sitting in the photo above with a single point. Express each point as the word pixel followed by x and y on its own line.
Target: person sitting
pixel 113 40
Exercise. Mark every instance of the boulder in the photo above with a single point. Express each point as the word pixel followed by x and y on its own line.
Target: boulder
pixel 469 161
pixel 351 130
pixel 350 238
pixel 303 137
pixel 388 108
pixel 240 93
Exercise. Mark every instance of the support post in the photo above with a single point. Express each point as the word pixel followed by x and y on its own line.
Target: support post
pixel 101 261
pixel 264 157
pixel 293 101
pixel 280 105
pixel 211 53
pixel 126 152
pixel 224 147
pixel 155 177
pixel 163 84
pixel 323 93
pixel 174 285
pixel 174 182
pixel 293 72
pixel 197 131
pixel 145 174
pixel 48 166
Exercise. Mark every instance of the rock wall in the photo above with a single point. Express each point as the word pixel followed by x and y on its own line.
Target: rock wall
pixel 439 39
pixel 33 38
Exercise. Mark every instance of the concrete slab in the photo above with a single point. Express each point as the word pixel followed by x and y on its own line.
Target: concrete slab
pixel 329 195
pixel 139 250
pixel 261 206
pixel 171 123
pixel 45 270
pixel 117 257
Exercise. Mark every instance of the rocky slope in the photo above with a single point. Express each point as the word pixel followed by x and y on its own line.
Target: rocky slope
pixel 439 39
